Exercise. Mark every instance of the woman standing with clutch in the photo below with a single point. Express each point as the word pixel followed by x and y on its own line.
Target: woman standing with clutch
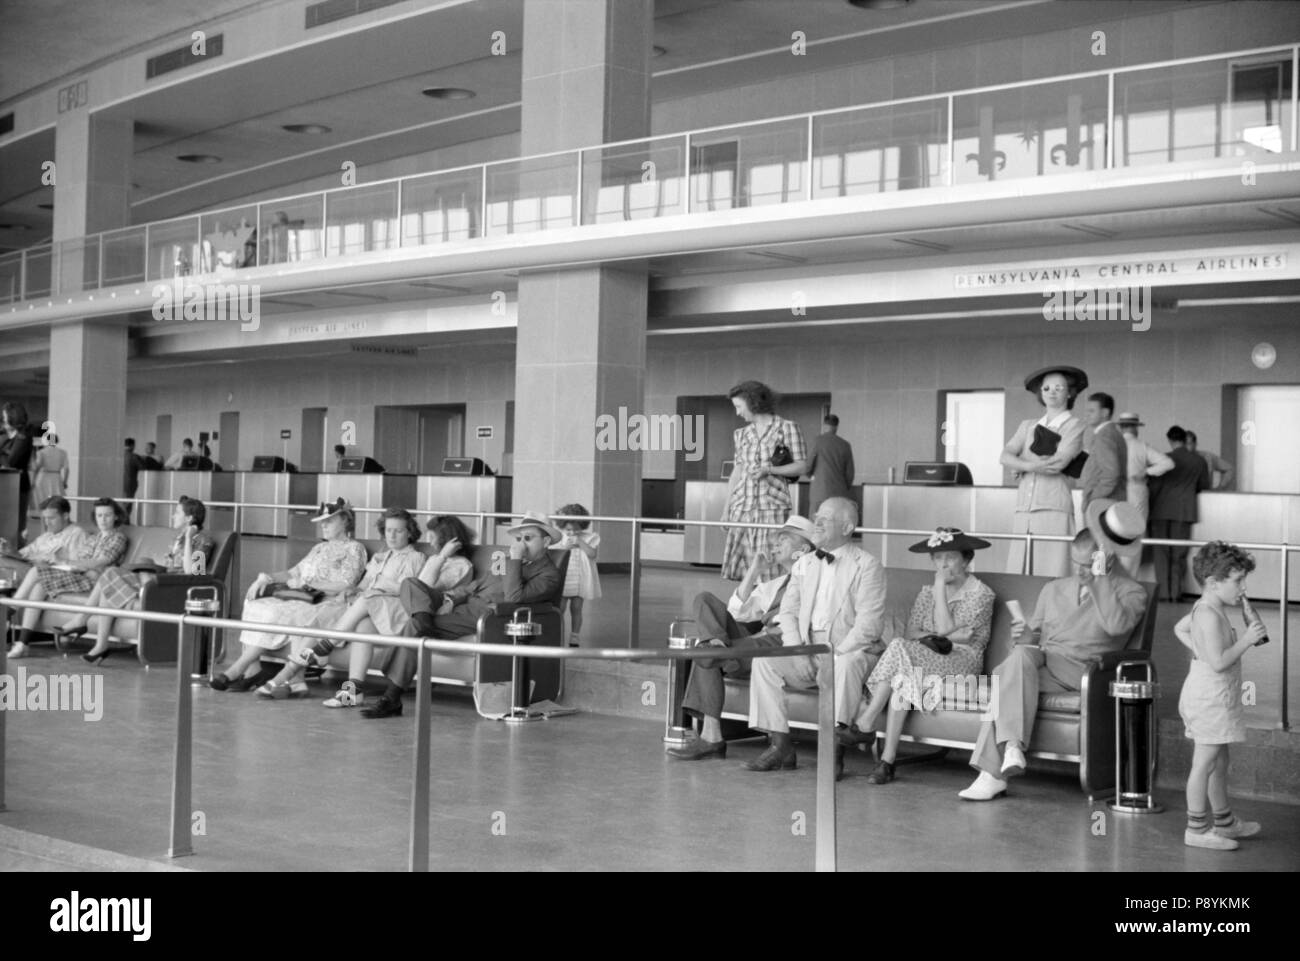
pixel 770 453
pixel 50 471
pixel 1042 455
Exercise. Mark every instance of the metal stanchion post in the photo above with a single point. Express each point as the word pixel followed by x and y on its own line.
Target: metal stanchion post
pixel 1284 707
pixel 677 728
pixel 520 695
pixel 4 671
pixel 634 589
pixel 204 655
pixel 826 845
pixel 1135 740
pixel 182 764
pixel 418 855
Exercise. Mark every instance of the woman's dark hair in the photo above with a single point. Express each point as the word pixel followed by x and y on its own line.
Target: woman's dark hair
pixel 758 396
pixel 412 528
pixel 449 527
pixel 574 510
pixel 193 508
pixel 57 503
pixel 1071 389
pixel 119 512
pixel 349 521
pixel 1218 559
pixel 16 414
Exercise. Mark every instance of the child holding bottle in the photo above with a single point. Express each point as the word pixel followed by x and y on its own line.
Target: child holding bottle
pixel 1210 704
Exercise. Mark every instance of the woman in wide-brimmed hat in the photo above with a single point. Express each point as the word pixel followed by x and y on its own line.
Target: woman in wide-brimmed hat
pixel 1042 457
pixel 333 566
pixel 946 634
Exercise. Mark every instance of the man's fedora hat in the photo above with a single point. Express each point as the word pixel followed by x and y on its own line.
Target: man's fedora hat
pixel 538 520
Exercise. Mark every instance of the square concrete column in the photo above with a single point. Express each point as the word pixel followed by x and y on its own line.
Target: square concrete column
pixel 88 358
pixel 580 350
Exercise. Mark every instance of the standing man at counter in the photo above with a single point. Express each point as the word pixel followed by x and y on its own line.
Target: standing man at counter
pixel 1173 511
pixel 340 452
pixel 830 464
pixel 1215 463
pixel 151 459
pixel 132 464
pixel 187 450
pixel 1143 461
pixel 1105 469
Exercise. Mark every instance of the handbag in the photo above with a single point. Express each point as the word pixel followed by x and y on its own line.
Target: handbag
pixel 936 643
pixel 781 453
pixel 1045 443
pixel 283 592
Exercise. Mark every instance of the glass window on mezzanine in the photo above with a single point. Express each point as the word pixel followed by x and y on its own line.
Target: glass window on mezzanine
pixel 1230 106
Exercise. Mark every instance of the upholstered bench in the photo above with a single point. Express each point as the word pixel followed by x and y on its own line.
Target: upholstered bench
pixel 1073 728
pixel 155 642
pixel 465 670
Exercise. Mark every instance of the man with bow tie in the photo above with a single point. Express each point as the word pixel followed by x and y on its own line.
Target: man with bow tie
pixel 836 596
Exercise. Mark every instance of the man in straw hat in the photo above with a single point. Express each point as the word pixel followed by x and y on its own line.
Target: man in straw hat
pixel 747 620
pixel 835 596
pixel 1076 620
pixel 530 576
pixel 1143 461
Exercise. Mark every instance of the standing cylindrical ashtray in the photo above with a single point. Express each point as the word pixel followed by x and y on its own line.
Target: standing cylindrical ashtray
pixel 1135 739
pixel 677 727
pixel 520 631
pixel 204 601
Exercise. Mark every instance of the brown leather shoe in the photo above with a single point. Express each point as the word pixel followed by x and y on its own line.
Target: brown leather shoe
pixel 883 774
pixel 779 757
pixel 699 750
pixel 850 736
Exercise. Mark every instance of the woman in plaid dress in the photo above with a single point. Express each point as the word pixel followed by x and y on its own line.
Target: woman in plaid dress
pixel 120 588
pixel 760 492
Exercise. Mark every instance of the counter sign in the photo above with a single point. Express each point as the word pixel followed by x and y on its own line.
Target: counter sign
pixel 483 433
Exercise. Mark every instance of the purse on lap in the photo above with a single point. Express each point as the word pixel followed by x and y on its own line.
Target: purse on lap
pixel 936 643
pixel 283 592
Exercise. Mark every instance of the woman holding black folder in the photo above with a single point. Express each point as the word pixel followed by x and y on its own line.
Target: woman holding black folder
pixel 1043 455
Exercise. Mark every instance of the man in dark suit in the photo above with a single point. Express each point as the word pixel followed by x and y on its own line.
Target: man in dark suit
pixel 748 620
pixel 1104 471
pixel 830 464
pixel 1173 511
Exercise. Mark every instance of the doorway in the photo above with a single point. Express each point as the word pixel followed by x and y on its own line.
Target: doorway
pixel 163 436
pixel 311 456
pixel 971 433
pixel 416 440
pixel 1267 455
pixel 227 447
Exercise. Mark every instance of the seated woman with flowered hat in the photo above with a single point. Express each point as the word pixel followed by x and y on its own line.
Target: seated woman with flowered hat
pixel 947 632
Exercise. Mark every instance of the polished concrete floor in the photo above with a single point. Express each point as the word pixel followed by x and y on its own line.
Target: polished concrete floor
pixel 291 785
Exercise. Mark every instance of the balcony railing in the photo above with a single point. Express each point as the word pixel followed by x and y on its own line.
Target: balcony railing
pixel 1234 107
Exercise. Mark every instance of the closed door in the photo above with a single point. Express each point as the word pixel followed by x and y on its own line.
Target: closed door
pixel 226 451
pixel 1267 455
pixel 312 458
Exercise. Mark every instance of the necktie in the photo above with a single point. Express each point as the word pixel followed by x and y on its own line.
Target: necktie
pixel 826 556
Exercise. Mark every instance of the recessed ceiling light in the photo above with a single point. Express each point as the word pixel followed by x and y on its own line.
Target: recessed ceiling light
pixel 658 51
pixel 449 93
pixel 198 158
pixel 14 227
pixel 879 4
pixel 311 128
pixel 46 206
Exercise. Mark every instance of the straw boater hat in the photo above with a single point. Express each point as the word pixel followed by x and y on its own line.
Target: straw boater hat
pixel 538 520
pixel 949 539
pixel 801 526
pixel 1073 376
pixel 329 510
pixel 1117 526
pixel 1129 420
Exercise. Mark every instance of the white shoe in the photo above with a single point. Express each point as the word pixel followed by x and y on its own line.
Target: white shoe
pixel 1239 829
pixel 1208 839
pixel 986 787
pixel 348 696
pixel 18 650
pixel 1013 761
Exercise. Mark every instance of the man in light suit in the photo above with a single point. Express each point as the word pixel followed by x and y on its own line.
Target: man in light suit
pixel 835 596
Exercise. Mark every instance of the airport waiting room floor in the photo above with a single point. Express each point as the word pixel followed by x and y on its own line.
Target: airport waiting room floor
pixel 289 785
